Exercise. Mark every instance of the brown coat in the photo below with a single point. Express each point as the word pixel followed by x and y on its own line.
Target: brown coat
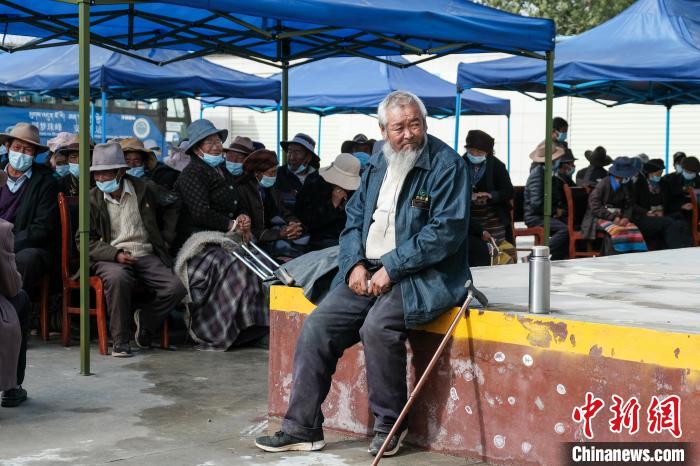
pixel 262 211
pixel 10 286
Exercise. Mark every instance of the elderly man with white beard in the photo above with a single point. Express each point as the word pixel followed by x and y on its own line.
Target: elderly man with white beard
pixel 402 263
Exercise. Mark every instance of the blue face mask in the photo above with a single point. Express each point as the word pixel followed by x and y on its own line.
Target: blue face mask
pixel 561 137
pixel 62 170
pixel 362 157
pixel 476 159
pixel 267 181
pixel 688 176
pixel 138 172
pixel 74 169
pixel 679 168
pixel 570 171
pixel 555 165
pixel 300 169
pixel 212 160
pixel 21 162
pixel 108 187
pixel 655 179
pixel 234 168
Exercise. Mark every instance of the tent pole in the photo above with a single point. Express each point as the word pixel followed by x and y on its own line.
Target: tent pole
pixel 318 142
pixel 548 148
pixel 285 108
pixel 201 110
pixel 668 135
pixel 458 112
pixel 104 116
pixel 279 147
pixel 508 118
pixel 83 202
pixel 92 120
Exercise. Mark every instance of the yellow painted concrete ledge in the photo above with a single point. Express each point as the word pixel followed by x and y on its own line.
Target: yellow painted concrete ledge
pixel 666 349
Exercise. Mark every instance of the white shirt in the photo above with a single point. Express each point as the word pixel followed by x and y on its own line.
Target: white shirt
pixel 14 185
pixel 381 237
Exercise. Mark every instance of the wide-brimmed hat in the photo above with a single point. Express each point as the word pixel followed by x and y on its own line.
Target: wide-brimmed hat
pixel 25 132
pixel 343 172
pixel 568 157
pixel 624 167
pixel 61 139
pixel 303 140
pixel 136 145
pixel 71 144
pixel 678 155
pixel 259 161
pixel 359 139
pixel 599 157
pixel 537 155
pixel 3 178
pixel 481 140
pixel 241 145
pixel 107 157
pixel 654 165
pixel 199 130
pixel 691 164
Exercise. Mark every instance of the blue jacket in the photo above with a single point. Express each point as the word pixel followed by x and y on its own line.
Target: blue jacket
pixel 430 259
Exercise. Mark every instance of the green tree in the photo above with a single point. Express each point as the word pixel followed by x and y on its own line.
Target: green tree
pixel 571 16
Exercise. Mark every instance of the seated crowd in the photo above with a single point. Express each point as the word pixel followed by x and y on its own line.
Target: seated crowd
pixel 170 227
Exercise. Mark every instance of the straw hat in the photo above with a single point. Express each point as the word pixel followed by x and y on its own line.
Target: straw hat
pixel 25 132
pixel 136 145
pixel 199 130
pixel 107 157
pixel 343 172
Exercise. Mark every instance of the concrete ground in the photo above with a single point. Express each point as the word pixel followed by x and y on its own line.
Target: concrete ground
pixel 160 407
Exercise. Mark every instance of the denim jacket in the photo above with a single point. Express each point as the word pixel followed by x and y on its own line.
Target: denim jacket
pixel 432 220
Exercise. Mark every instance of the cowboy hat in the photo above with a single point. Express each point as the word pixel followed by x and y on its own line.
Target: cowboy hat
pixel 241 145
pixel 343 172
pixel 136 145
pixel 624 167
pixel 691 164
pixel 107 157
pixel 199 130
pixel 599 157
pixel 25 132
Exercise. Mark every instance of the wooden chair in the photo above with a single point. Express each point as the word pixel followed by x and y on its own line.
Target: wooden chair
pixel 576 204
pixel 694 225
pixel 69 284
pixel 44 307
pixel 517 214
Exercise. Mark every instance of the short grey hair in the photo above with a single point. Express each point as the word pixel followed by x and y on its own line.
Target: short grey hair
pixel 399 99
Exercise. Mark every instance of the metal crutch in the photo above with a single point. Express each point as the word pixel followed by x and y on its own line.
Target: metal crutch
pixel 473 293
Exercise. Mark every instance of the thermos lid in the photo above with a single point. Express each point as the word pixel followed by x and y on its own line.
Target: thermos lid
pixel 540 251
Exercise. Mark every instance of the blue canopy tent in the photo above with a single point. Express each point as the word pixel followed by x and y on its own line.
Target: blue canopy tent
pixel 355 85
pixel 648 54
pixel 276 32
pixel 114 75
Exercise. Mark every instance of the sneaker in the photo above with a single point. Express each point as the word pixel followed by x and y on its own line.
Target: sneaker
pixel 13 397
pixel 391 449
pixel 143 336
pixel 121 350
pixel 285 442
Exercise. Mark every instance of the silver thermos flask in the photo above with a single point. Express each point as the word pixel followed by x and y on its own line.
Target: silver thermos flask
pixel 540 278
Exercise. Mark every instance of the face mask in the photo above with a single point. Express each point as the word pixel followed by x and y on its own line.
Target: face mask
pixel 688 175
pixel 300 169
pixel 138 172
pixel 74 169
pixel 655 179
pixel 21 162
pixel 679 168
pixel 362 157
pixel 570 171
pixel 268 181
pixel 212 160
pixel 561 137
pixel 62 170
pixel 626 180
pixel 476 159
pixel 234 168
pixel 108 187
pixel 555 165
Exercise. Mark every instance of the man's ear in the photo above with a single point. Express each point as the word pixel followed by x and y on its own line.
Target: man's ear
pixel 383 131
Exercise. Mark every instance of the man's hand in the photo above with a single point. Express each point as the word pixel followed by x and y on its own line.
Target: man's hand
pixel 486 236
pixel 358 280
pixel 380 283
pixel 687 206
pixel 125 258
pixel 291 231
pixel 654 213
pixel 624 222
pixel 338 197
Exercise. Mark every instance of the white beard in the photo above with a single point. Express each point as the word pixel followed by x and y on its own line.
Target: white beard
pixel 401 162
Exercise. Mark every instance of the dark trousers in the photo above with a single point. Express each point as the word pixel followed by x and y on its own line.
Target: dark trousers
pixel 558 239
pixel 21 304
pixel 341 320
pixel 32 264
pixel 478 252
pixel 119 281
pixel 671 231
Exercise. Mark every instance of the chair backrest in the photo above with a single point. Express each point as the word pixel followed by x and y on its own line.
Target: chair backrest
pixel 694 227
pixel 576 205
pixel 519 204
pixel 66 204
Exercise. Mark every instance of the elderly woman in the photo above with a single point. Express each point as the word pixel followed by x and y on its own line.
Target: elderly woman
pixel 321 204
pixel 491 194
pixel 276 229
pixel 235 155
pixel 70 149
pixel 226 304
